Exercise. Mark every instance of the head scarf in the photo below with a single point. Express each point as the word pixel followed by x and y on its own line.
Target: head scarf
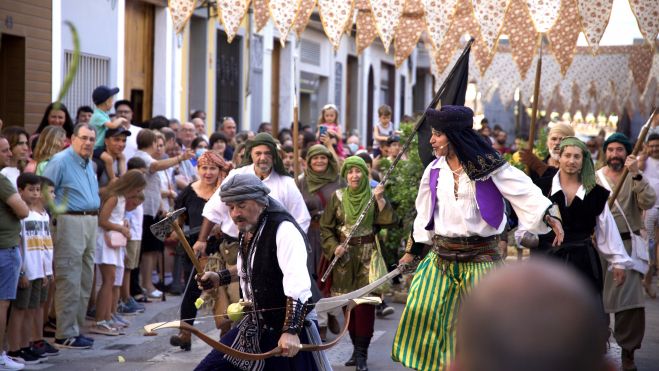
pixel 267 140
pixel 211 158
pixel 477 157
pixel 619 138
pixel 354 201
pixel 587 168
pixel 565 130
pixel 315 180
pixel 243 187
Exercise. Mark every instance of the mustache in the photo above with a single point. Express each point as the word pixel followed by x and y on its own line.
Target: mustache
pixel 240 219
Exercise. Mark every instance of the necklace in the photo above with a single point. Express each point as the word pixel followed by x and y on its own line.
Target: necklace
pixel 457 171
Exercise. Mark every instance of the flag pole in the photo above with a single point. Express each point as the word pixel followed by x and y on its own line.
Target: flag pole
pixel 536 97
pixel 433 104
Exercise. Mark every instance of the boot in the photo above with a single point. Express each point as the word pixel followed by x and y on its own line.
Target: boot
pixel 183 340
pixel 361 352
pixel 628 360
pixel 351 361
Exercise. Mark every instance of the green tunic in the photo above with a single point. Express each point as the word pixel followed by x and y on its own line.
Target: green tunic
pixel 351 271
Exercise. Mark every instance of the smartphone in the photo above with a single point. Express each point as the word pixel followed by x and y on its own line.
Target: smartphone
pixel 323 130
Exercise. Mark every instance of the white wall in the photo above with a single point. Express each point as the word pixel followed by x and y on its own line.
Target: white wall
pixel 101 31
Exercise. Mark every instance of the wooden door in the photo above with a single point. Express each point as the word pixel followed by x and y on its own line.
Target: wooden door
pixel 138 79
pixel 12 80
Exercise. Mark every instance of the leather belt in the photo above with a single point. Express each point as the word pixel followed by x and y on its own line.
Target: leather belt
pixel 482 255
pixel 361 240
pixel 82 213
pixel 462 243
pixel 627 236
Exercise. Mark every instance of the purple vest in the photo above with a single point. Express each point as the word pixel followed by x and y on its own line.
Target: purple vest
pixel 488 197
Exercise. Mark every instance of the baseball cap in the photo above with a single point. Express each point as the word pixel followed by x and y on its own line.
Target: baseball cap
pixel 117 131
pixel 102 93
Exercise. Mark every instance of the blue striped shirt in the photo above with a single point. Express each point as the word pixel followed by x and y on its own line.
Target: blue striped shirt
pixel 75 181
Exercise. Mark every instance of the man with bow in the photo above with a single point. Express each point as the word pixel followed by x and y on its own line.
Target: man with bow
pixel 273 276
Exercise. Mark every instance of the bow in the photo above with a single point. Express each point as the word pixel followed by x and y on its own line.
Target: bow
pixel 346 301
pixel 225 349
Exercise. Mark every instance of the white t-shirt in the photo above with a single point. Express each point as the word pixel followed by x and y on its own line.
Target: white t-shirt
pixel 12 174
pixel 36 245
pixel 134 218
pixel 131 141
pixel 152 191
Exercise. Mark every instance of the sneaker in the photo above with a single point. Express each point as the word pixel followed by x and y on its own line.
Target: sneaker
pixel 24 357
pixel 104 328
pixel 132 303
pixel 126 310
pixel 74 342
pixel 45 348
pixel 118 319
pixel 6 363
pixel 87 338
pixel 384 310
pixel 40 356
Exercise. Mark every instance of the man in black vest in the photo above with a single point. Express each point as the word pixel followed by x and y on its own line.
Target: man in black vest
pixel 274 279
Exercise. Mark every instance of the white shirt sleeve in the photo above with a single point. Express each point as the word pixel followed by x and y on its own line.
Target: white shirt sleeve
pixel 217 212
pixel 295 204
pixel 525 197
pixel 292 259
pixel 423 206
pixel 608 241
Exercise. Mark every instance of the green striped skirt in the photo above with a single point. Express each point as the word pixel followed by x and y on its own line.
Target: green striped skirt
pixel 425 339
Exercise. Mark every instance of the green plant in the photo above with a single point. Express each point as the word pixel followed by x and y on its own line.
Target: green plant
pixel 401 190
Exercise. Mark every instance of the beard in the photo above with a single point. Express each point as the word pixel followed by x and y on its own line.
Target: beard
pixel 615 163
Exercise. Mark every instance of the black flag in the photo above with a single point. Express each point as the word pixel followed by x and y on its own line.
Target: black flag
pixel 455 88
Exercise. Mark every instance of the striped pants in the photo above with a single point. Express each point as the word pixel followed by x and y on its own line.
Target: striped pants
pixel 425 339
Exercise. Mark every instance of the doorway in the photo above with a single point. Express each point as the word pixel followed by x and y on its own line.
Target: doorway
pixel 138 66
pixel 227 78
pixel 12 80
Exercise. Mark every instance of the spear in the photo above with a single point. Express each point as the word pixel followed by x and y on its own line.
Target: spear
pixel 637 148
pixel 433 104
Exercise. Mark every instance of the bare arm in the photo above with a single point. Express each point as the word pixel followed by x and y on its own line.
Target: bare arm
pixel 169 162
pixel 18 206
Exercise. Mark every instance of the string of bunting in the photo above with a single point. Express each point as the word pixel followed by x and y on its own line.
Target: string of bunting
pixel 576 77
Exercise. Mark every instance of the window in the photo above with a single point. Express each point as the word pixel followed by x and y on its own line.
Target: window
pixel 92 72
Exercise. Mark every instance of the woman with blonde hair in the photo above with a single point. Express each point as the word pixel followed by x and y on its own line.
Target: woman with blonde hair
pixel 51 141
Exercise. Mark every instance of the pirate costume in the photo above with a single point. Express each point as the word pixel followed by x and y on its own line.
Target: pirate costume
pixel 274 279
pixel 587 215
pixel 461 221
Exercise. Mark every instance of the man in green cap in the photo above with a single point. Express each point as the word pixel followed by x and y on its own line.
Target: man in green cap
pixel 626 301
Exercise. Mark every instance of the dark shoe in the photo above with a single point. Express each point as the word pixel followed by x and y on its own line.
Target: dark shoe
pixel 45 348
pixel 628 361
pixel 384 310
pixel 333 324
pixel 74 342
pixel 182 340
pixel 361 352
pixel 26 358
pixel 351 361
